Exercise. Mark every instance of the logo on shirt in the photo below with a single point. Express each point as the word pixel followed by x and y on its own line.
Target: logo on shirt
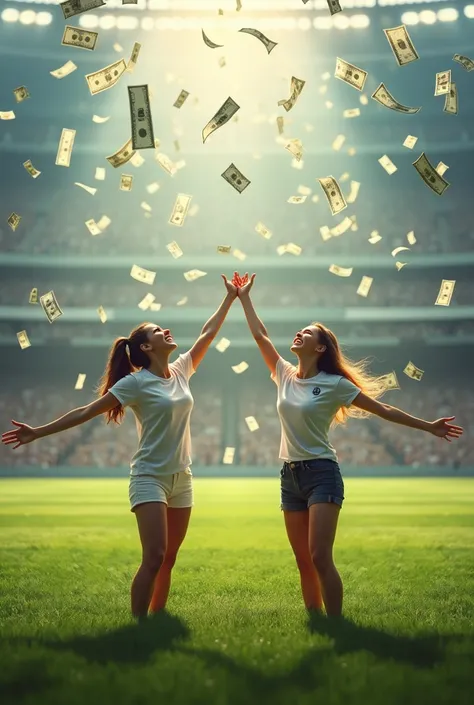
pixel 316 391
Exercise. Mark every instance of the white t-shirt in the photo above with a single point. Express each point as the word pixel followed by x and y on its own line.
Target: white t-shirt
pixel 306 408
pixel 162 409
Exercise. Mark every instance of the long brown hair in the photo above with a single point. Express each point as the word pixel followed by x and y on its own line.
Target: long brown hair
pixel 120 364
pixel 335 362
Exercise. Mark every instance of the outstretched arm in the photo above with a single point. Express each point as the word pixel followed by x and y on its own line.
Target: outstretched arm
pixel 257 328
pixel 211 328
pixel 441 427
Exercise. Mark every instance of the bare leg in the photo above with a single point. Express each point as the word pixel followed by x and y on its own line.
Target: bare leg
pixel 297 524
pixel 322 531
pixel 152 527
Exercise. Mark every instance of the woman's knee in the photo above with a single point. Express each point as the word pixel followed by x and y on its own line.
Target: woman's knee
pixel 322 558
pixel 153 559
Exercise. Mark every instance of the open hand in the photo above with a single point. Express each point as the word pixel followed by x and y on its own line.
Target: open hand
pixel 443 428
pixel 22 435
pixel 244 284
pixel 230 286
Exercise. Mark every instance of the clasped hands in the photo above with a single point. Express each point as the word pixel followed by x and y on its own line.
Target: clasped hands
pixel 239 286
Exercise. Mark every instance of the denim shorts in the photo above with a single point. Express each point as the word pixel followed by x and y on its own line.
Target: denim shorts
pixel 306 482
pixel 175 490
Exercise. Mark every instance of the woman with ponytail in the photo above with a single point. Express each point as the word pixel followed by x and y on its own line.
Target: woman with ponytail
pixel 322 390
pixel 139 375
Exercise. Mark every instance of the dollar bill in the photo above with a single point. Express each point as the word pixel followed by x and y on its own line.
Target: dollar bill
pixel 465 61
pixel 280 124
pixel 174 249
pixel 229 452
pixel 351 113
pixel 122 155
pixel 66 143
pixel 341 228
pixel 429 175
pixel 65 70
pixel 104 222
pixel 89 189
pixel 105 78
pixel 92 227
pixel 222 345
pixel 400 265
pixel 304 190
pixel 100 120
pixel 180 164
pixel 33 299
pixel 238 254
pixel 194 274
pixel 23 339
pixel 21 93
pixel 402 46
pixel 252 423
pixel 102 314
pixel 395 252
pixel 30 169
pixel 13 221
pixel 413 371
pixel 182 301
pixel 350 74
pixel 385 98
pixel 99 173
pixel 354 226
pixel 75 7
pixel 295 147
pixel 334 6
pixel 451 100
pixel 81 378
pixel 50 306
pixel 355 186
pixel 410 141
pixel 7 115
pixel 364 286
pixel 180 209
pixel 224 249
pixel 137 160
pixel 153 187
pixel 290 248
pixel 222 62
pixel 235 178
pixel 411 238
pixel 146 302
pixel 166 163
pixel 296 200
pixel 325 232
pixel 374 237
pixel 267 43
pixel 155 306
pixel 132 62
pixel 146 206
pixel 263 231
pixel 208 42
pixel 340 271
pixel 333 193
pixel 180 99
pixel 140 115
pixel 387 164
pixel 126 181
pixel 297 85
pixel 389 381
pixel 443 82
pixel 442 168
pixel 80 38
pixel 445 292
pixel 238 5
pixel 241 367
pixel 142 275
pixel 338 142
pixel 223 115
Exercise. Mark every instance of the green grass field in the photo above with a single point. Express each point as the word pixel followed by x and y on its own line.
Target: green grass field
pixel 235 629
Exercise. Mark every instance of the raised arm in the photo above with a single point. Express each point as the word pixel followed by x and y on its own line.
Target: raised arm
pixel 258 330
pixel 211 328
pixel 26 434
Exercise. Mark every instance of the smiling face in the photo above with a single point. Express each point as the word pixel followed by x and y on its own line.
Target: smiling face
pixel 307 341
pixel 159 339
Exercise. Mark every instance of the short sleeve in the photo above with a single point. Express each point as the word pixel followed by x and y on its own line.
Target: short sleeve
pixel 126 390
pixel 282 371
pixel 184 365
pixel 346 391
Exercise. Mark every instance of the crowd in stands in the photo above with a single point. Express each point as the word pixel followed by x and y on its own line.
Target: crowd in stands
pixel 361 442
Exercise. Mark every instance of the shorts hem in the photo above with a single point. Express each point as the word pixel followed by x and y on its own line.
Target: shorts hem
pixel 327 498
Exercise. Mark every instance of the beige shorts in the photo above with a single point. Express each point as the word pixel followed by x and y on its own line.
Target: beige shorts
pixel 174 490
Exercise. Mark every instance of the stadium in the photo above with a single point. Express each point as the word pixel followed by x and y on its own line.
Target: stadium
pixel 235 628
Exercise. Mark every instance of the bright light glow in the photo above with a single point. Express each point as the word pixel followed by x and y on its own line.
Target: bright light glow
pixel 148 23
pixel 322 23
pixel 359 21
pixel 107 22
pixel 88 21
pixel 10 15
pixel 469 11
pixel 340 21
pixel 448 14
pixel 127 22
pixel 428 17
pixel 410 18
pixel 44 18
pixel 27 17
pixel 304 23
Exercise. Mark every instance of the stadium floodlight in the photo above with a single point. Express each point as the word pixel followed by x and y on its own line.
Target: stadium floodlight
pixel 43 18
pixel 410 18
pixel 147 23
pixel 9 14
pixel 428 17
pixel 27 17
pixel 88 21
pixel 340 21
pixel 359 21
pixel 304 23
pixel 127 22
pixel 107 22
pixel 469 12
pixel 322 22
pixel 448 14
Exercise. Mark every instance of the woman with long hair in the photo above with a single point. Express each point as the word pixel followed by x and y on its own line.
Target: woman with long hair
pixel 324 389
pixel 138 374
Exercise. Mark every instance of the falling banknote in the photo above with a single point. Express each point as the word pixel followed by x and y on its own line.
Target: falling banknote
pixel 296 87
pixel 364 286
pixel 50 306
pixel 21 93
pixel 75 7
pixel 105 78
pixel 180 209
pixel 443 82
pixel 174 249
pixel 413 371
pixel 66 143
pixel 228 457
pixel 65 70
pixel 222 345
pixel 333 193
pixel 122 155
pixel 252 423
pixel 465 61
pixel 350 74
pixel 102 314
pixel 33 296
pixel 267 43
pixel 429 175
pixel 30 169
pixel 451 100
pixel 387 164
pixel 180 99
pixel 23 339
pixel 140 115
pixel 194 274
pixel 445 292
pixel 142 275
pixel 340 271
pixel 126 182
pixel 223 115
pixel 263 231
pixel 401 44
pixel 133 57
pixel 81 378
pixel 208 42
pixel 146 302
pixel 235 178
pixel 385 98
pixel 80 38
pixel 389 381
pixel 410 141
pixel 442 168
pixel 166 164
pixel 241 367
pixel 13 221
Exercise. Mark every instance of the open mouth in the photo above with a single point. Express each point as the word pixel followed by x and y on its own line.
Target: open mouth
pixel 297 341
pixel 169 338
